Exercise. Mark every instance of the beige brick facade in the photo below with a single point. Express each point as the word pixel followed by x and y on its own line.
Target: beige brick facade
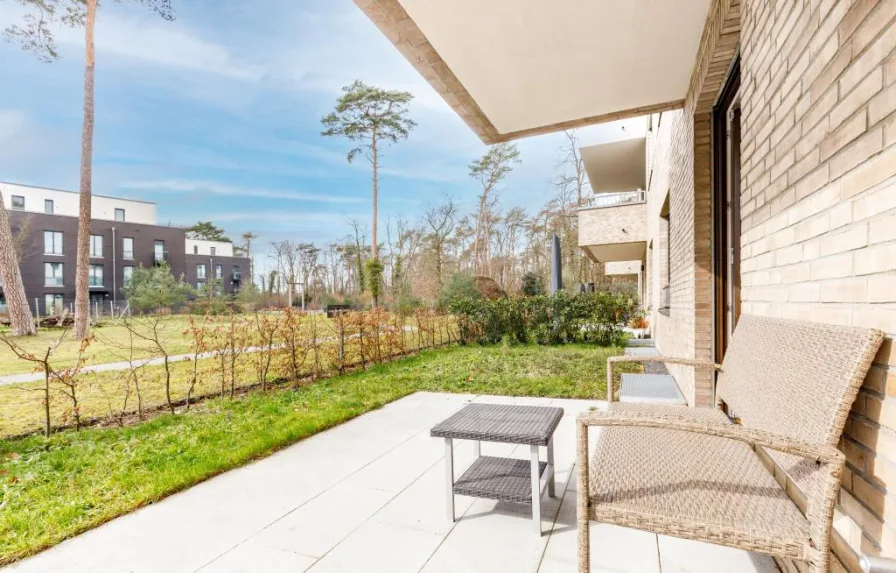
pixel 626 223
pixel 818 210
pixel 680 184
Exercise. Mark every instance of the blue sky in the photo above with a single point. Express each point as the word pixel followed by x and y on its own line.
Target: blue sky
pixel 217 116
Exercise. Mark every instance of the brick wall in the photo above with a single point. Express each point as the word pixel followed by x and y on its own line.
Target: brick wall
pixel 671 187
pixel 681 180
pixel 607 225
pixel 819 211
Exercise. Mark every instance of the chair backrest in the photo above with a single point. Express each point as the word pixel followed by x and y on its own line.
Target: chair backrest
pixel 795 378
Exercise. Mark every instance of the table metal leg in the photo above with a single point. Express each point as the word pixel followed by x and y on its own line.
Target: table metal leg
pixel 449 477
pixel 536 491
pixel 477 449
pixel 551 464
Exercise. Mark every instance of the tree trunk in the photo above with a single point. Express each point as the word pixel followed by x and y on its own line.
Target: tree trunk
pixel 47 424
pixel 375 181
pixel 82 296
pixel 439 267
pixel 11 275
pixel 478 228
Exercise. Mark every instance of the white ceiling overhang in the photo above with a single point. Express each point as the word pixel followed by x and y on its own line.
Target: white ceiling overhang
pixel 617 166
pixel 513 68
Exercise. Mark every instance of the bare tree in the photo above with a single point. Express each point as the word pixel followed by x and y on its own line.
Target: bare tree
pixel 61 379
pixel 308 255
pixel 267 326
pixel 248 237
pixel 489 170
pixel 573 176
pixel 287 255
pixel 439 220
pixel 151 329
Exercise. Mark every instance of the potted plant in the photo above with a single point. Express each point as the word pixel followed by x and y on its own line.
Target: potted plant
pixel 639 325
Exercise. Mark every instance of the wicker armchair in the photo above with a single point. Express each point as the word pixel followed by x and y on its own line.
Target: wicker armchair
pixel 692 473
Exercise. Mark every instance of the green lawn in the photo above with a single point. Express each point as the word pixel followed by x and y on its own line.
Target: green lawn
pixel 54 488
pixel 107 346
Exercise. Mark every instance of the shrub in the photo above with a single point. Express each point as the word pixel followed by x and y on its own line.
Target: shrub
pixel 154 288
pixel 533 284
pixel 459 286
pixel 488 288
pixel 374 270
pixel 557 319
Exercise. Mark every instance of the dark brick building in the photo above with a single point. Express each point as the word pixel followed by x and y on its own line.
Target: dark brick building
pixel 117 247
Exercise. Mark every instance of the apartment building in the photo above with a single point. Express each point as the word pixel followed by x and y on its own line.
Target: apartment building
pixel 766 184
pixel 124 236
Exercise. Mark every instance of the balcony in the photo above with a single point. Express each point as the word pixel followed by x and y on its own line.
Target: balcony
pixel 613 226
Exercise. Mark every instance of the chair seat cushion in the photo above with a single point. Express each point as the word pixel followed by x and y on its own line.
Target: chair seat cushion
pixel 690 485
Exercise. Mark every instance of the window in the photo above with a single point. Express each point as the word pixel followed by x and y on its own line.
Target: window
pixel 53 303
pixel 219 288
pixel 219 271
pixel 96 246
pixel 128 272
pixel 195 249
pixel 48 206
pixel 52 243
pixel 119 215
pixel 212 251
pixel 236 272
pixel 95 278
pixel 127 247
pixel 199 285
pixel 53 274
pixel 158 251
pixel 18 202
pixel 665 259
pixel 200 271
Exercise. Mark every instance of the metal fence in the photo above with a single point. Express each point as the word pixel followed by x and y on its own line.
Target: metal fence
pixel 42 307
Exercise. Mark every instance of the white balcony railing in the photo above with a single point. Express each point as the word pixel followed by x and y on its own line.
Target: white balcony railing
pixel 601 200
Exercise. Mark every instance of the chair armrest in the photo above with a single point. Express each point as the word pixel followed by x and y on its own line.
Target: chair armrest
pixel 823 453
pixel 666 359
pixel 821 501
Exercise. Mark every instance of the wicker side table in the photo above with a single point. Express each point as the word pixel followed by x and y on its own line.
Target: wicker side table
pixel 504 479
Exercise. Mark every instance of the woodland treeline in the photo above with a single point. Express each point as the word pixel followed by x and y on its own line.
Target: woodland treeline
pixel 422 254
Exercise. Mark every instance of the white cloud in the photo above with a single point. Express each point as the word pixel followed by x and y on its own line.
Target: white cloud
pixel 151 41
pixel 212 188
pixel 35 152
pixel 12 124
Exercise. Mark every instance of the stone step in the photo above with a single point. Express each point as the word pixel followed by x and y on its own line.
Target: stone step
pixel 651 389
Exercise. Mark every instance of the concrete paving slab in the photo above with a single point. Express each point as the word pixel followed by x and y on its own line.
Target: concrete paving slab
pixel 379 547
pixel 252 558
pixel 319 525
pixel 369 495
pixel 686 556
pixel 613 549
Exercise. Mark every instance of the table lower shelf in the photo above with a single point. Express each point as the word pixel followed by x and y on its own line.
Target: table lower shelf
pixel 502 479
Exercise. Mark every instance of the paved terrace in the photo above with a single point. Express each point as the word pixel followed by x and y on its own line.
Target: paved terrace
pixel 369 496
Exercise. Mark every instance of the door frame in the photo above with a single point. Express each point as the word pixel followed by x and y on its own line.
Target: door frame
pixel 726 275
